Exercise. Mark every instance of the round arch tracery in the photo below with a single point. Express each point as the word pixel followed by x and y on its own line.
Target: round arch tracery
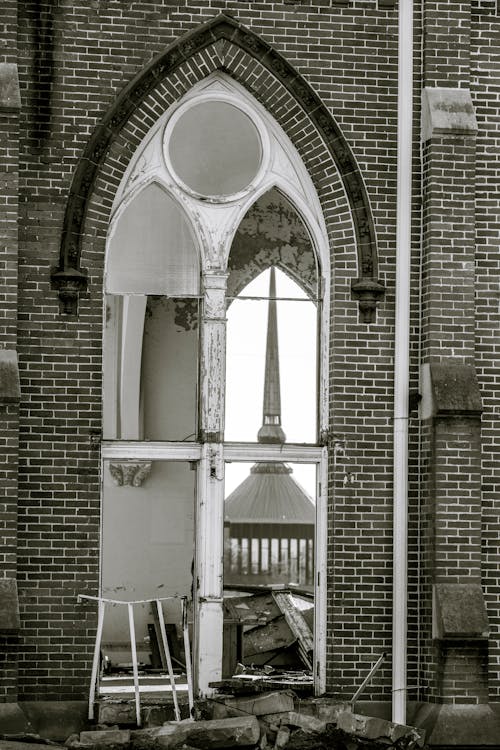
pixel 221 44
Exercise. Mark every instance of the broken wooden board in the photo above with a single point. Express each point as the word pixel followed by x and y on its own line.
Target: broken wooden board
pixel 274 636
pixel 258 609
pixel 297 624
pixel 299 682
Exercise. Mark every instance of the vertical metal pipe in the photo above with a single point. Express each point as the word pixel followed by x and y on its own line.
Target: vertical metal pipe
pixel 401 360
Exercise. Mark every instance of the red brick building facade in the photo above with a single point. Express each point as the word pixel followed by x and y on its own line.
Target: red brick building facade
pixel 82 87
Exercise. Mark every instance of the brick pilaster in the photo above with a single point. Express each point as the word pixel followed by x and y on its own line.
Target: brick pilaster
pixel 9 377
pixel 452 403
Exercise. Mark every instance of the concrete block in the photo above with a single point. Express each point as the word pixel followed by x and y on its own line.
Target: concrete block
pixel 56 720
pixel 116 712
pixel 275 720
pixel 304 722
pixel 13 720
pixel 282 737
pixel 241 731
pixel 327 709
pixel 372 728
pixel 146 739
pixel 108 738
pixel 263 703
pixel 15 745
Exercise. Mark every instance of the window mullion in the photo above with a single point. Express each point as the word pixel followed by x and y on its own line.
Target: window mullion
pixel 293 453
pixel 210 496
pixel 213 358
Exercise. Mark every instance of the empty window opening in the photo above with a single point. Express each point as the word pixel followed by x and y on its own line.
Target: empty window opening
pixel 200 374
pixel 269 560
pixel 148 512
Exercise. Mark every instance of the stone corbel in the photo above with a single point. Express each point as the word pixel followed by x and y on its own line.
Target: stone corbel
pixel 130 473
pixel 69 282
pixel 367 291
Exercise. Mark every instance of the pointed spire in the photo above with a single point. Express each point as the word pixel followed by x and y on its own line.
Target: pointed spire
pixel 271 430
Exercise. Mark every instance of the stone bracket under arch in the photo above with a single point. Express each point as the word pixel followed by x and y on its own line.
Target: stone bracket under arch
pixel 69 279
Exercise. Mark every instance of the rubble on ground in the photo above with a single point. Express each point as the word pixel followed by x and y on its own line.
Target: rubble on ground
pixel 263 721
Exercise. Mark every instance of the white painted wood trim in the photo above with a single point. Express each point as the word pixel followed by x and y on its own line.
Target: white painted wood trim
pixel 290 452
pixel 208 589
pixel 320 588
pixel 111 364
pixel 251 452
pixel 213 356
pixel 153 451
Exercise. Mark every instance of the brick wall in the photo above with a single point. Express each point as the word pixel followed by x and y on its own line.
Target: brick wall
pixel 9 152
pixel 74 60
pixel 485 89
pixel 90 51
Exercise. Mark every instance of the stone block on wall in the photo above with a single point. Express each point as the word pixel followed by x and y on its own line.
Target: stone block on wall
pixel 9 607
pixel 459 611
pixel 449 388
pixel 10 96
pixel 10 391
pixel 447 111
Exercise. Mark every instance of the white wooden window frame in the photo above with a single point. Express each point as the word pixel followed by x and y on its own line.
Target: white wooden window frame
pixel 214 225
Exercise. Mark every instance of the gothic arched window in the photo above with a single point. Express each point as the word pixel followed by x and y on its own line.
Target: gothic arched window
pixel 214 197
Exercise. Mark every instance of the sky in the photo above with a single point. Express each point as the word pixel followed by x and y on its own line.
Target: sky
pixel 246 345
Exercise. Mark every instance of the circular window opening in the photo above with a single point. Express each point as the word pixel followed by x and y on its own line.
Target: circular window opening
pixel 215 149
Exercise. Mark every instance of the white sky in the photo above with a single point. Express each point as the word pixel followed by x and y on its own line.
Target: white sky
pixel 246 345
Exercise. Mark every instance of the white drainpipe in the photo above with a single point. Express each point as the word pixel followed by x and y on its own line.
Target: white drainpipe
pixel 401 360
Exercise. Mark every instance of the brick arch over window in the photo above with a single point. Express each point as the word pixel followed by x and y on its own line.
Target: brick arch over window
pixel 220 44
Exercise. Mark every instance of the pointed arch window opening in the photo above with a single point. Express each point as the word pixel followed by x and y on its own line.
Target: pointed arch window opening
pixel 272 363
pixel 214 226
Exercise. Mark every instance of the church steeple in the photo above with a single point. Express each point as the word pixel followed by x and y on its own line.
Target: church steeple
pixel 271 430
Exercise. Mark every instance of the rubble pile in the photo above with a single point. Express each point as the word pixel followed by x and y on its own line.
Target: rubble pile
pixel 256 720
pixel 272 720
